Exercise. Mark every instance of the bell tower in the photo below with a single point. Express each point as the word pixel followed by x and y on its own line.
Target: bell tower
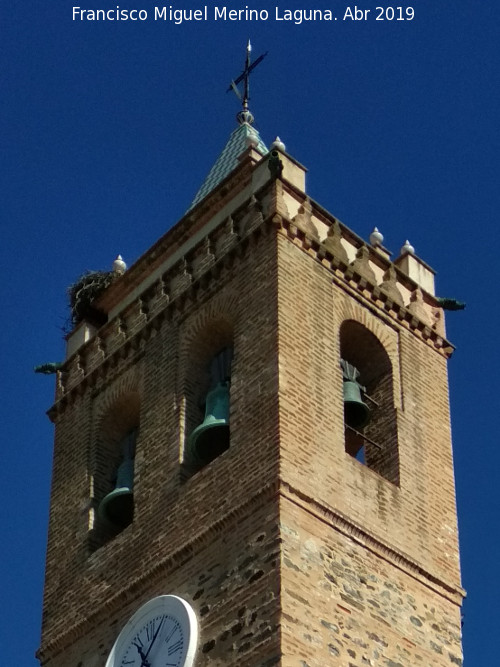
pixel 254 418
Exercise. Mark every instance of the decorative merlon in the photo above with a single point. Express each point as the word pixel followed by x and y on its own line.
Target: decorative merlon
pixel 417 270
pixel 303 220
pixel 82 333
pixel 333 243
pixel 416 306
pixel 390 286
pixel 361 265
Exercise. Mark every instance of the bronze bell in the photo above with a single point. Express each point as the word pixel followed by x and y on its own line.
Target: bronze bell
pixel 211 437
pixel 356 412
pixel 118 506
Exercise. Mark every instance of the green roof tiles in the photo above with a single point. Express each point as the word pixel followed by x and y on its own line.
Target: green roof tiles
pixel 241 138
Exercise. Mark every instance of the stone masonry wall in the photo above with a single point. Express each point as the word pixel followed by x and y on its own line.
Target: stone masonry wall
pixel 345 605
pixel 231 579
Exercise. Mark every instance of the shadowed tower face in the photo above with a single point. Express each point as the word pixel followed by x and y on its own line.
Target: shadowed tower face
pixel 217 498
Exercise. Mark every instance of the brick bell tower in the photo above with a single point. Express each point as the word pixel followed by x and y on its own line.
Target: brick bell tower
pixel 254 418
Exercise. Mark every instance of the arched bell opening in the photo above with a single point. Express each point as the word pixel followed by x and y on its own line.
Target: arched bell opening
pixel 207 398
pixel 369 414
pixel 210 438
pixel 113 470
pixel 117 506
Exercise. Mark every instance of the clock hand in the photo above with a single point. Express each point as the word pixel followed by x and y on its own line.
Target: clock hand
pixel 144 661
pixel 152 642
pixel 144 657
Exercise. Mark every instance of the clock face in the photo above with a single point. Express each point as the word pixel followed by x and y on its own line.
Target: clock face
pixel 162 633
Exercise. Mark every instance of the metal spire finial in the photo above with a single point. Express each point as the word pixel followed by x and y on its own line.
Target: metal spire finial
pixel 245 116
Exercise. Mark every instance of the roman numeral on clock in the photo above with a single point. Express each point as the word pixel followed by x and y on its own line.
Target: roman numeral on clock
pixel 175 647
pixel 171 633
pixel 150 630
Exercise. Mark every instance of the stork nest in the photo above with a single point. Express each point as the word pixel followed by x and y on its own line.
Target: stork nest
pixel 83 293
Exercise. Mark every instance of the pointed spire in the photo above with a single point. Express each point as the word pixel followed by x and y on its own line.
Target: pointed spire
pixel 242 138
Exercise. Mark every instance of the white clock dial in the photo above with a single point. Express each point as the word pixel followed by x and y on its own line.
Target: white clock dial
pixel 162 633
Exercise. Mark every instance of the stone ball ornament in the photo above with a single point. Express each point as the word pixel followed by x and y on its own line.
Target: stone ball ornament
pixel 376 237
pixel 161 633
pixel 277 143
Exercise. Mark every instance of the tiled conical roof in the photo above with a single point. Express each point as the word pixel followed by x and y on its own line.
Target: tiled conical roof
pixel 241 138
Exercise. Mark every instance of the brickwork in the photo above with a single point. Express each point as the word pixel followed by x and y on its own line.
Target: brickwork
pixel 290 551
pixel 417 517
pixel 370 567
pixel 85 585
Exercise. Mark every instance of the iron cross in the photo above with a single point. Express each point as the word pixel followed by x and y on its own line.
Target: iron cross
pixel 245 76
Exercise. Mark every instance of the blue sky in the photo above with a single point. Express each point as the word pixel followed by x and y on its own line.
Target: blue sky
pixel 107 130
